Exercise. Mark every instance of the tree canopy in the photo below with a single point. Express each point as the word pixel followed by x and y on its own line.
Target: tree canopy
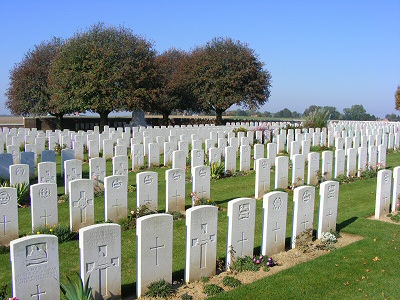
pixel 357 113
pixel 172 92
pixel 397 97
pixel 225 72
pixel 333 113
pixel 103 69
pixel 28 92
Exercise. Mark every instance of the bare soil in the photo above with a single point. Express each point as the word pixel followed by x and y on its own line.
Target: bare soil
pixel 285 260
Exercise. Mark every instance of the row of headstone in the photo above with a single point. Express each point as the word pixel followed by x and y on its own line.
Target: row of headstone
pixel 34 259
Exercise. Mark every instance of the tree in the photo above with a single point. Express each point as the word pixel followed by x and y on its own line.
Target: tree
pixel 172 93
pixel 333 113
pixel 397 97
pixel 393 117
pixel 28 92
pixel 103 69
pixel 225 72
pixel 317 118
pixel 284 113
pixel 357 113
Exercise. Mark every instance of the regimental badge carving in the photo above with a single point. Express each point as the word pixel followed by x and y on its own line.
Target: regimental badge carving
pixel 19 171
pixel 244 211
pixel 116 184
pixel 277 203
pixel 202 173
pixel 36 254
pixel 44 193
pixel 4 198
pixel 306 196
pixel 176 176
pixel 386 177
pixel 331 191
pixel 148 179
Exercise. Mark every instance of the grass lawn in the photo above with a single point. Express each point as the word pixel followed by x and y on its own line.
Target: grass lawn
pixel 352 272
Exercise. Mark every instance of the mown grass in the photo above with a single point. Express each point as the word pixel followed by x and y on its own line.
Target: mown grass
pixel 336 275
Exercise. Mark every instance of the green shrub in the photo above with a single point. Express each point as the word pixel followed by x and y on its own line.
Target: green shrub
pixel 212 289
pixel 130 221
pixel 186 296
pixel 62 231
pixel 3 292
pixel 205 279
pixel 245 263
pixel 76 290
pixel 217 170
pixel 160 289
pixel 231 281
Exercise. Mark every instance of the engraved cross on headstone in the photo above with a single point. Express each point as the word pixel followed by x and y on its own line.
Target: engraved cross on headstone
pixel 122 170
pixel 276 229
pixel 38 293
pixel 305 222
pixel 82 203
pixel 176 196
pixel 116 207
pixel 45 217
pixel 102 265
pixel 4 222
pixel 241 242
pixel 329 215
pixel 156 247
pixel 202 242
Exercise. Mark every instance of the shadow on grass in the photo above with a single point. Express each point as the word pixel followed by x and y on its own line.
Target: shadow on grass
pixel 345 223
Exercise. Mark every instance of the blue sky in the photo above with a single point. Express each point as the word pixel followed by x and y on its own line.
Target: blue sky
pixel 337 53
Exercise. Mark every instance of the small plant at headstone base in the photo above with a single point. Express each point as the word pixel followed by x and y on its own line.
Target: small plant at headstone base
pixel 177 215
pixel 62 231
pixel 204 279
pixel 130 221
pixel 203 201
pixel 231 281
pixel 368 173
pixel 328 240
pixel 343 179
pixel 186 296
pixel 3 292
pixel 304 241
pixel 212 289
pixel 320 148
pixel 63 198
pixel 4 249
pixel 131 188
pixel 22 193
pixel 76 290
pixel 321 176
pixel 98 187
pixel 239 129
pixel 160 289
pixel 217 170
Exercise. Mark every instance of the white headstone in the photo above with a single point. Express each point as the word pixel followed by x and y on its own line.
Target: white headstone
pixel 100 257
pixel 313 168
pixel 383 193
pixel 281 172
pixel 73 170
pixel 137 153
pixel 201 182
pixel 201 242
pixel 298 169
pixel 339 162
pixel 120 165
pixel 303 211
pixel 147 189
pixel 245 155
pixel 274 223
pixel 8 215
pixel 175 190
pixel 81 203
pixel 154 235
pixel 328 207
pixel 115 197
pixel 35 267
pixel 396 189
pixel 44 205
pixel 263 177
pixel 241 225
pixel 19 173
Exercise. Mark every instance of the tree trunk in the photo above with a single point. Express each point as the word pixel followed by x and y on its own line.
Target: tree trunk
pixel 218 118
pixel 165 118
pixel 59 120
pixel 103 119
